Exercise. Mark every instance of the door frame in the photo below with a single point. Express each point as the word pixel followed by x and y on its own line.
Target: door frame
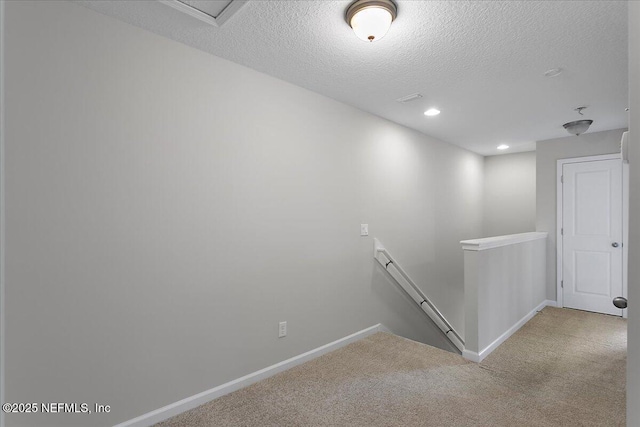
pixel 625 220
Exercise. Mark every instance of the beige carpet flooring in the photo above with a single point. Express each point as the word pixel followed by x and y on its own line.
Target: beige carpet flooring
pixel 563 368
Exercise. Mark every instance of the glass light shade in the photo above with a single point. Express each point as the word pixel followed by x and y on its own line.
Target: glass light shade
pixel 578 127
pixel 371 23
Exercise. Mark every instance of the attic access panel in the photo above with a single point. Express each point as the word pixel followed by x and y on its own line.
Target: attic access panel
pixel 213 12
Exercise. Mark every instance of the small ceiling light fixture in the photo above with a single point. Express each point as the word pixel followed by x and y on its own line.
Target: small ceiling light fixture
pixel 579 126
pixel 503 147
pixel 371 19
pixel 432 112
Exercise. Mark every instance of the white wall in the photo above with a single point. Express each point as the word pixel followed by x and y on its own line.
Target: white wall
pixel 547 154
pixel 509 194
pixel 633 361
pixel 504 284
pixel 165 209
pixel 2 232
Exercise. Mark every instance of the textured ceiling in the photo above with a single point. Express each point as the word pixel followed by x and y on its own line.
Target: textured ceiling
pixel 480 62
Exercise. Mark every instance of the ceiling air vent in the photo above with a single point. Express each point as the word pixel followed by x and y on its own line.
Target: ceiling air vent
pixel 213 12
pixel 409 98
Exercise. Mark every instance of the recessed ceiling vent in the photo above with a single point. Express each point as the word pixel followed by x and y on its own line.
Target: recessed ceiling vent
pixel 213 12
pixel 409 98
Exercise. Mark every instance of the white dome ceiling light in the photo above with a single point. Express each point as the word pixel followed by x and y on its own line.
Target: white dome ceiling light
pixel 371 19
pixel 578 127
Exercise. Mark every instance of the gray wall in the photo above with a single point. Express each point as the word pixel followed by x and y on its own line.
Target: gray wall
pixel 547 154
pixel 633 361
pixel 510 277
pixel 165 209
pixel 509 194
pixel 2 231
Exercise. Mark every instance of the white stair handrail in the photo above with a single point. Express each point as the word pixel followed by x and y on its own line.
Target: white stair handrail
pixel 417 295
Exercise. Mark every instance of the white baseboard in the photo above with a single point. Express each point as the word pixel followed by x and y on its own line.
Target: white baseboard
pixel 196 400
pixel 471 355
pixel 479 357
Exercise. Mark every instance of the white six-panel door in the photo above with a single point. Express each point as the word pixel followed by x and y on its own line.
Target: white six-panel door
pixel 592 235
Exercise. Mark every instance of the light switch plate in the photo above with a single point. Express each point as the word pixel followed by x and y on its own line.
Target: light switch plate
pixel 364 229
pixel 282 329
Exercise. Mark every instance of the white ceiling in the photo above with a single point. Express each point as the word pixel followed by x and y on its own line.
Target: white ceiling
pixel 480 62
pixel 210 7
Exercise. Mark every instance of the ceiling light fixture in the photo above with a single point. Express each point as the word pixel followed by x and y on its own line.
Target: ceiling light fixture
pixel 578 127
pixel 503 147
pixel 371 19
pixel 432 112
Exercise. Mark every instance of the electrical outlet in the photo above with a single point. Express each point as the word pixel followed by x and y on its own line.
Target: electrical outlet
pixel 282 330
pixel 364 229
